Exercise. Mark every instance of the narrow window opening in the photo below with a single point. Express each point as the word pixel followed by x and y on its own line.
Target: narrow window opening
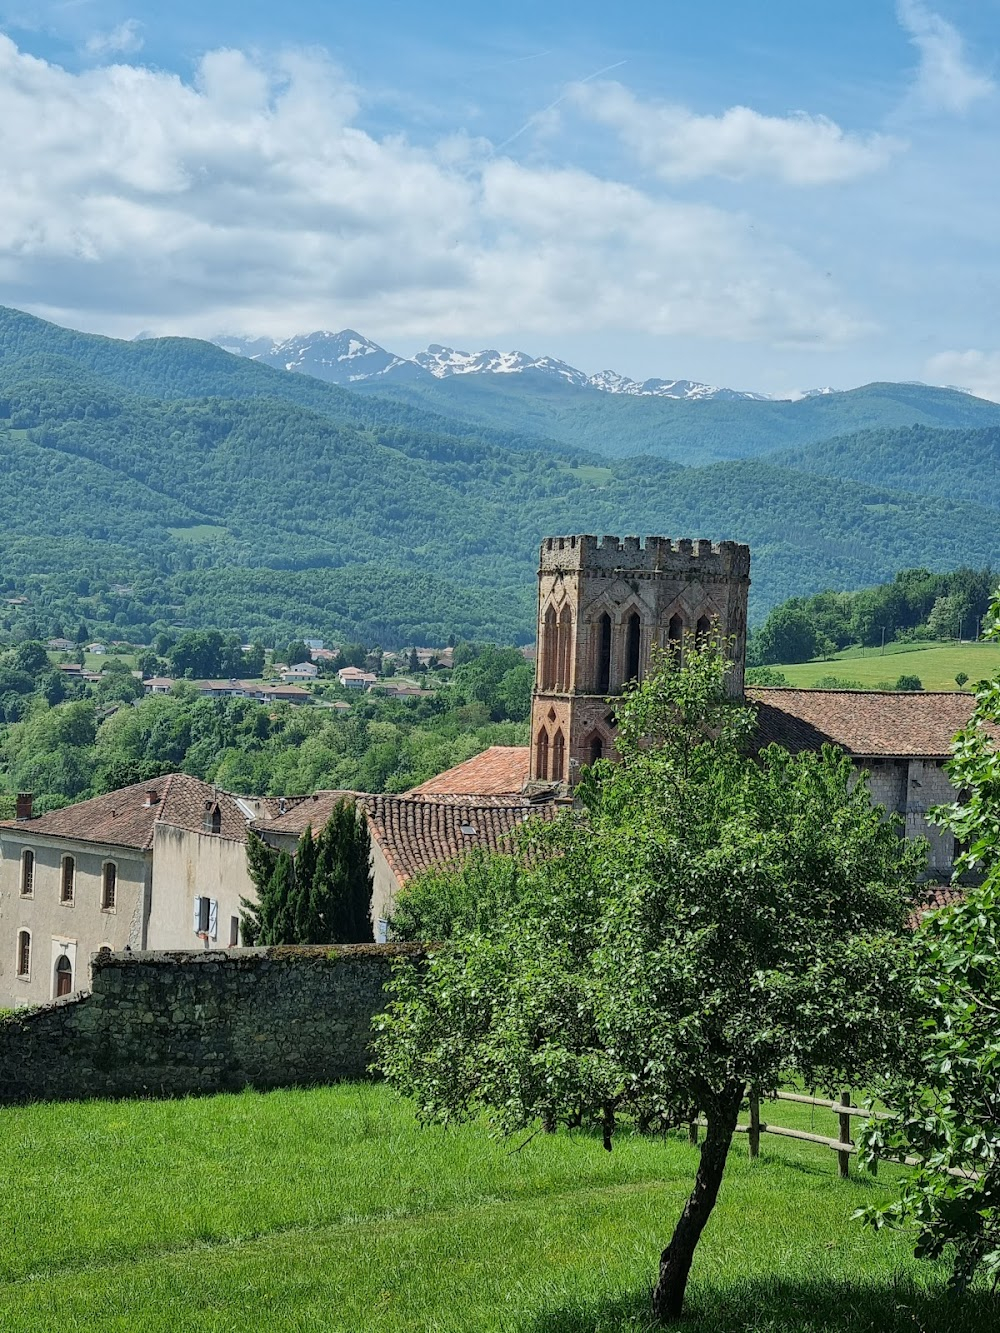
pixel 542 756
pixel 234 931
pixel 24 953
pixel 675 638
pixel 27 873
pixel 549 648
pixel 596 749
pixel 603 682
pixel 703 631
pixel 558 755
pixel 565 647
pixel 68 879
pixel 64 976
pixel 109 887
pixel 632 647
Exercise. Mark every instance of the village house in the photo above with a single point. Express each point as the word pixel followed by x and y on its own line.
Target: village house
pixel 158 865
pixel 300 671
pixel 353 678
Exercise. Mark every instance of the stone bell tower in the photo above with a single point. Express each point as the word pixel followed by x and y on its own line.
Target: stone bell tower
pixel 602 604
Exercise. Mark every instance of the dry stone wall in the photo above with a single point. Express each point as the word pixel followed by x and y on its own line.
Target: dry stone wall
pixel 167 1024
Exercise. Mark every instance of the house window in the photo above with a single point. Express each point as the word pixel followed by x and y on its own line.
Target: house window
pixel 603 681
pixel 109 886
pixel 206 917
pixel 68 879
pixel 558 752
pixel 24 954
pixel 632 647
pixel 542 755
pixel 64 976
pixel 27 873
pixel 234 931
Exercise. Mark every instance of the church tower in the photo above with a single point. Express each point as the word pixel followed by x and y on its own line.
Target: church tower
pixel 601 605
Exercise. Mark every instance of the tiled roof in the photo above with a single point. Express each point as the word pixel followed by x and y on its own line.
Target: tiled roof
pixel 124 819
pixel 933 896
pixel 502 770
pixel 865 723
pixel 415 835
pixel 299 811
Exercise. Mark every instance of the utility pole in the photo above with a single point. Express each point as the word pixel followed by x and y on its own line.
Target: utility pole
pixel 882 653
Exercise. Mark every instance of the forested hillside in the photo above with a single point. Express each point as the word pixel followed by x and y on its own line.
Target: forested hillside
pixel 167 482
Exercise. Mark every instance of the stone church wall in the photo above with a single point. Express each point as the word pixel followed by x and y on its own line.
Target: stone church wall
pixel 167 1024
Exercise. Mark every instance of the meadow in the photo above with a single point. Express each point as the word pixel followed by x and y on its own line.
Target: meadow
pixel 331 1209
pixel 936 665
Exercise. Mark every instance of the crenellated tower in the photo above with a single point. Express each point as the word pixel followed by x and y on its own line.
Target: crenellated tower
pixel 602 604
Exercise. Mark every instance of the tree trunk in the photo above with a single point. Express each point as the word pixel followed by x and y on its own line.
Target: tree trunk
pixel 675 1261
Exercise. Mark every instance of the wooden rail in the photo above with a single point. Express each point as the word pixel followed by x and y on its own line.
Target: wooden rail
pixel 843 1146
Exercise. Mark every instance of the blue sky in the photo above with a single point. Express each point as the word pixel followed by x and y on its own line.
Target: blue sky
pixel 765 193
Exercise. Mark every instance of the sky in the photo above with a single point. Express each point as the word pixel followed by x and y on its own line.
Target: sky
pixel 763 194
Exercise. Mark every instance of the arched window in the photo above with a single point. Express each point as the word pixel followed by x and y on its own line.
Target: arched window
pixel 675 639
pixel 549 648
pixel 64 976
pixel 565 647
pixel 596 749
pixel 27 872
pixel 602 682
pixel 703 631
pixel 109 886
pixel 558 756
pixel 68 879
pixel 24 953
pixel 632 646
pixel 542 755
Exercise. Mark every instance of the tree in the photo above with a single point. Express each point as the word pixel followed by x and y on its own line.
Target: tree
pixel 297 651
pixel 945 1095
pixel 908 682
pixel 709 922
pixel 787 635
pixel 962 679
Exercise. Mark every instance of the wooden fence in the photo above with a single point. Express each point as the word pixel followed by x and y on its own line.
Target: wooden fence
pixel 843 1145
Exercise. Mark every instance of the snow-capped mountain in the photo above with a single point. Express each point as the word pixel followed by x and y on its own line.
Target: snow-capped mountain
pixel 349 358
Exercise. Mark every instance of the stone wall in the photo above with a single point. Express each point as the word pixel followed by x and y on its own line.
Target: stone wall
pixel 166 1024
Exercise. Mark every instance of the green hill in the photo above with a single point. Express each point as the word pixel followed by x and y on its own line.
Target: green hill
pixel 170 482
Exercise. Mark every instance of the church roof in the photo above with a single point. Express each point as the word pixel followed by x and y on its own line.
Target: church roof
pixel 867 724
pixel 417 834
pixel 128 817
pixel 502 770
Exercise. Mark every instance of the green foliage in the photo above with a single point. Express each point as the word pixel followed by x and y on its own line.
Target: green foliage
pixel 765 675
pixel 962 679
pixel 440 904
pixel 711 921
pixel 908 682
pixel 945 1094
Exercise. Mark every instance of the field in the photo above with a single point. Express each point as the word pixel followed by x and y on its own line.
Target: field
pixel 331 1209
pixel 937 665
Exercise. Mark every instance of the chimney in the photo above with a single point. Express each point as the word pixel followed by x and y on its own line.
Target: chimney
pixel 23 806
pixel 152 797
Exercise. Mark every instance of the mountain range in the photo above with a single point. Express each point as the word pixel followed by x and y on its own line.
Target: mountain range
pixel 349 358
pixel 166 482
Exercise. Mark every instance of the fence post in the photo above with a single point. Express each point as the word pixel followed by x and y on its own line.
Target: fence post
pixel 753 1136
pixel 844 1158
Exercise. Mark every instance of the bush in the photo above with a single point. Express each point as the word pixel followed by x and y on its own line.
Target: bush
pixel 765 675
pixel 907 682
pixel 962 679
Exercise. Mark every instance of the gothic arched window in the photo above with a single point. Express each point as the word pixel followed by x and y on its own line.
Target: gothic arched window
pixel 547 657
pixel 558 757
pixel 542 755
pixel 632 646
pixel 602 683
pixel 565 647
pixel 675 639
pixel 703 631
pixel 596 749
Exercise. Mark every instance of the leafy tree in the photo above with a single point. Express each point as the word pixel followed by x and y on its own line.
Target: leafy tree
pixel 946 1093
pixel 712 921
pixel 765 675
pixel 788 635
pixel 962 679
pixel 297 651
pixel 908 682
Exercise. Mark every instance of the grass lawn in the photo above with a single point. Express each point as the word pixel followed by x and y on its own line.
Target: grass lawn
pixel 937 665
pixel 332 1209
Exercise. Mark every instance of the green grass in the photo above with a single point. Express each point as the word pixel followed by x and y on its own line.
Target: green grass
pixel 937 665
pixel 332 1210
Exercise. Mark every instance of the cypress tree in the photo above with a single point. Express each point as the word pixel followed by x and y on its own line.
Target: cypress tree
pixel 342 885
pixel 307 926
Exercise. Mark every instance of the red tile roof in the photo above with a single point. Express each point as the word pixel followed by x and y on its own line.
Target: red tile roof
pixel 502 770
pixel 864 723
pixel 415 835
pixel 299 811
pixel 124 819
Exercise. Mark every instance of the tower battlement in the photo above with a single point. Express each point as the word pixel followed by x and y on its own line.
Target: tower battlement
pixel 652 555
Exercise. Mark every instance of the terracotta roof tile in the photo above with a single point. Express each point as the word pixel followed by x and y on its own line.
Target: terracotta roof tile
pixel 415 835
pixel 502 770
pixel 125 819
pixel 299 811
pixel 865 723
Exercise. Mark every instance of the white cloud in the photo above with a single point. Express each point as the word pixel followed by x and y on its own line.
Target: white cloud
pixel 249 199
pixel 945 79
pixel 126 39
pixel 978 372
pixel 676 144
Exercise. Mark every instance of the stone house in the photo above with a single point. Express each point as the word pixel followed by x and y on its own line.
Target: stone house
pixel 158 865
